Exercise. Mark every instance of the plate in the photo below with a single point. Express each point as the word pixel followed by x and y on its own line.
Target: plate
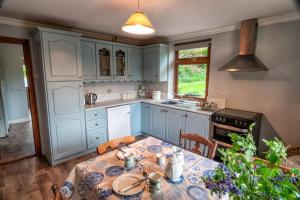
pixel 125 180
pixel 136 153
pixel 114 170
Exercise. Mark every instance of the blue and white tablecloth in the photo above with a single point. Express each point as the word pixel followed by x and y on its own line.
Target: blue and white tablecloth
pixel 93 178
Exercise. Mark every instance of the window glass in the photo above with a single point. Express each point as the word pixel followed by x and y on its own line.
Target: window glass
pixel 193 53
pixel 192 80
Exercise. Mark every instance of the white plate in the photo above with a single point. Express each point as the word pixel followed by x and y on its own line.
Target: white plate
pixel 136 153
pixel 124 181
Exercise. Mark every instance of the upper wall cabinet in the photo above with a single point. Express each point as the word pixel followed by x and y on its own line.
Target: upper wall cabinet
pixel 88 57
pixel 62 56
pixel 134 64
pixel 155 62
pixel 104 60
pixel 120 62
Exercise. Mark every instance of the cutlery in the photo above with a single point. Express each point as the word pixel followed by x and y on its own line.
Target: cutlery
pixel 134 185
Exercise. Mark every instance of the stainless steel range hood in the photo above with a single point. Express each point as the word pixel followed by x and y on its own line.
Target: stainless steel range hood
pixel 246 60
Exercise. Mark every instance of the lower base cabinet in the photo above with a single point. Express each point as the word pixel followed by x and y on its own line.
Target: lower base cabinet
pixel 135 119
pixel 96 127
pixel 166 123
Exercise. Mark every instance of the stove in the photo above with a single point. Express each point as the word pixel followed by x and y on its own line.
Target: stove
pixel 229 120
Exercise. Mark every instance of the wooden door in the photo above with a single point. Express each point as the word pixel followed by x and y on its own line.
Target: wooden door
pixel 151 64
pixel 66 113
pixel 197 123
pixel 88 57
pixel 175 121
pixel 157 122
pixel 62 57
pixel 134 64
pixel 104 61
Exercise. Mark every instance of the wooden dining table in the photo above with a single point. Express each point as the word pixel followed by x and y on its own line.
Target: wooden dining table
pixel 92 179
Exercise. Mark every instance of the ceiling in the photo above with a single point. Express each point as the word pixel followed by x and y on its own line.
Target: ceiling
pixel 169 17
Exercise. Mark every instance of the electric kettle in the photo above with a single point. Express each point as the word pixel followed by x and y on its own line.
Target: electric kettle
pixel 91 98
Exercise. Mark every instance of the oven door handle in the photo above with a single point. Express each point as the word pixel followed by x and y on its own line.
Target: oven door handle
pixel 230 128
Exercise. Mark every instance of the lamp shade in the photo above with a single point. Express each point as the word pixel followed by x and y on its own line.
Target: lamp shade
pixel 138 23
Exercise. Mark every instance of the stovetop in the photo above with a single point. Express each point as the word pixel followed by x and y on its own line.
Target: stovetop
pixel 239 114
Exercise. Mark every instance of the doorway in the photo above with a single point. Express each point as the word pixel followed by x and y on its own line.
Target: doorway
pixel 19 133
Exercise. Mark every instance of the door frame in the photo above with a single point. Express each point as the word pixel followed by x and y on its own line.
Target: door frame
pixel 31 89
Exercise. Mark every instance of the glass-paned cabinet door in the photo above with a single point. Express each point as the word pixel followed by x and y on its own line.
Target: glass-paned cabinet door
pixel 104 61
pixel 120 58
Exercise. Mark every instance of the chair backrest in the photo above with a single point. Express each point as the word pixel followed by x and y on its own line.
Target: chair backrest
pixel 293 150
pixel 114 144
pixel 198 144
pixel 56 192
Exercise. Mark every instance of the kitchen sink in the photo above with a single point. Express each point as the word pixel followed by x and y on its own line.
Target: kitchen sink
pixel 170 102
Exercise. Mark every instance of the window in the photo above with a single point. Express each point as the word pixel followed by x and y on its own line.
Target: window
pixel 191 72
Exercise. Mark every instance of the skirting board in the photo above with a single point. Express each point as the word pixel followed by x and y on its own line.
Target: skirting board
pixel 17 121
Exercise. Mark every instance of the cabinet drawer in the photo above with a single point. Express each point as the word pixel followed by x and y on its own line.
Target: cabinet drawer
pixel 95 124
pixel 95 139
pixel 99 131
pixel 95 114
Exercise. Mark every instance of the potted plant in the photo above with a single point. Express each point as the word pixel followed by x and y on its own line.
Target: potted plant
pixel 243 176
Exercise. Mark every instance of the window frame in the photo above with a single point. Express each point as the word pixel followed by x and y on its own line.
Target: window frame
pixel 191 61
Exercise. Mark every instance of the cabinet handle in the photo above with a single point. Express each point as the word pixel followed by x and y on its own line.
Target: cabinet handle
pixel 96 114
pixel 79 85
pixel 79 76
pixel 97 138
pixel 96 124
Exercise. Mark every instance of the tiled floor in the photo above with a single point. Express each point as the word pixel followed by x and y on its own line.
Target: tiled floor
pixel 18 144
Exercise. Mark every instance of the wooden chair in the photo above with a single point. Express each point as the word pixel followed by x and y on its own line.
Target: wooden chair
pixel 198 144
pixel 114 144
pixel 56 192
pixel 293 150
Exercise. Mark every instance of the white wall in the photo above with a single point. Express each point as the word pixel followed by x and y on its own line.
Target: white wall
pixel 11 62
pixel 275 93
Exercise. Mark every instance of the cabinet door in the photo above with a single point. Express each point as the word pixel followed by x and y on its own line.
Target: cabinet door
pixel 88 58
pixel 120 62
pixel 104 61
pixel 66 113
pixel 145 118
pixel 175 121
pixel 135 118
pixel 134 64
pixel 157 122
pixel 197 123
pixel 150 64
pixel 62 57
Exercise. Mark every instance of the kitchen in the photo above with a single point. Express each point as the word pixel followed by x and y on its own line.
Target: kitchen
pixel 94 87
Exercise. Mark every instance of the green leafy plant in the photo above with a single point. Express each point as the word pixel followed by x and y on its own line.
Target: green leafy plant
pixel 246 177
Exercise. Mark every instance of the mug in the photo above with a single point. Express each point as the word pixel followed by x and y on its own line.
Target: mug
pixel 160 159
pixel 154 182
pixel 129 161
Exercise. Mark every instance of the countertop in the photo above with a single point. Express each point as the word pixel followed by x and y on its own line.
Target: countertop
pixel 114 103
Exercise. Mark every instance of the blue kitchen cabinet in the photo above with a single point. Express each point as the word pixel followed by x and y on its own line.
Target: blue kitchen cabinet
pixel 155 62
pixel 66 115
pixel 120 62
pixel 88 60
pixel 135 118
pixel 134 64
pixel 96 127
pixel 197 123
pixel 157 122
pixel 175 121
pixel 104 62
pixel 145 117
pixel 61 54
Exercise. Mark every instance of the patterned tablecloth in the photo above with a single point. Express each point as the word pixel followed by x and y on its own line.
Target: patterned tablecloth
pixel 93 178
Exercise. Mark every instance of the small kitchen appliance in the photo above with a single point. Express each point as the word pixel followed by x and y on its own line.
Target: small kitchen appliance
pixel 91 98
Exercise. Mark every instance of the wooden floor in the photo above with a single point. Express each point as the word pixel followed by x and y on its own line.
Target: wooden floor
pixel 18 144
pixel 32 178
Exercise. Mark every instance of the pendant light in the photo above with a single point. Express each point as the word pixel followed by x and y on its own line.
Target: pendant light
pixel 138 23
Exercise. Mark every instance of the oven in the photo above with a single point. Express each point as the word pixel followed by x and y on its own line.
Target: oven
pixel 221 132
